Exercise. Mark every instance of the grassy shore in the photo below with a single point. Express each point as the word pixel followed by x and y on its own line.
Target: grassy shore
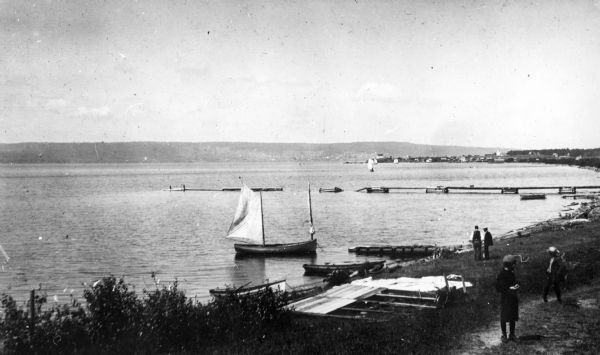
pixel 165 320
pixel 440 331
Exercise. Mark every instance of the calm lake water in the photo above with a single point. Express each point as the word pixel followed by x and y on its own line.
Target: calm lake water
pixel 120 222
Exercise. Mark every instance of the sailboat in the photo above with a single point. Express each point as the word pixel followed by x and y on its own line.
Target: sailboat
pixel 247 227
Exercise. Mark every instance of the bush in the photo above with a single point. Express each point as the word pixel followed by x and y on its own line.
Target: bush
pixel 115 320
pixel 115 314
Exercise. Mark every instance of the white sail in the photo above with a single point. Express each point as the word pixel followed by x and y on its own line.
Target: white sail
pixel 370 164
pixel 247 224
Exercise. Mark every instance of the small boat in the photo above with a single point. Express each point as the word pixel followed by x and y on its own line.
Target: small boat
pixel 326 269
pixel 247 227
pixel 533 196
pixel 381 190
pixel 277 286
pixel 335 190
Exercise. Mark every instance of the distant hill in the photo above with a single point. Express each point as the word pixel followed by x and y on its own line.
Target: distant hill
pixel 132 152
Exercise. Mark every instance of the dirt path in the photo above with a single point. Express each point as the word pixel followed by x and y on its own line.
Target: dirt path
pixel 546 328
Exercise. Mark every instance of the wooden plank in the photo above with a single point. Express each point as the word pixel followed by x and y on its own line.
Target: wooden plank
pixel 407 296
pixel 401 304
pixel 353 309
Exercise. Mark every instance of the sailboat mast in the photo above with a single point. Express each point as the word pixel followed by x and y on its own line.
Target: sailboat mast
pixel 262 219
pixel 312 229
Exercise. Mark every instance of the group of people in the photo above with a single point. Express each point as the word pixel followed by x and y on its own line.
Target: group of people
pixel 507 286
pixel 478 242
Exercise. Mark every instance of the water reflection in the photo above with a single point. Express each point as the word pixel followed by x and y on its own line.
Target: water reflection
pixel 259 269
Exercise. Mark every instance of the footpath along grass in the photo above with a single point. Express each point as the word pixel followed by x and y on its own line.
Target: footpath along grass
pixel 165 321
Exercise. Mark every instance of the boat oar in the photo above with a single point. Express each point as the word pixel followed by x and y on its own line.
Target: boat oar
pixel 241 287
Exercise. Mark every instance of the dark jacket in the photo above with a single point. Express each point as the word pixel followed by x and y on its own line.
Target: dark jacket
pixel 557 270
pixel 509 302
pixel 487 239
pixel 476 237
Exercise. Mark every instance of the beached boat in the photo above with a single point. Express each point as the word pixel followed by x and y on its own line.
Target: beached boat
pixel 533 196
pixel 334 189
pixel 326 269
pixel 247 227
pixel 277 286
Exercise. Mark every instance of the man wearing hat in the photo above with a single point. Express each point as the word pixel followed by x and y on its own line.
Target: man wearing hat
pixel 508 286
pixel 487 242
pixel 554 274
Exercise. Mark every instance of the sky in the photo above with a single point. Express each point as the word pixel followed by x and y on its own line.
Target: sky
pixel 518 74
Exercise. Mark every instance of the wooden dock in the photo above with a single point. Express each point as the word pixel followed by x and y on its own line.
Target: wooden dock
pixel 377 299
pixel 479 189
pixel 264 189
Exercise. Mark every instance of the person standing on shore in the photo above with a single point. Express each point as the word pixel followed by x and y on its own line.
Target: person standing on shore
pixel 487 242
pixel 476 240
pixel 507 286
pixel 554 274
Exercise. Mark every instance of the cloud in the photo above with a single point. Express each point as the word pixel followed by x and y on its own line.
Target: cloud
pixel 378 92
pixel 54 104
pixel 93 111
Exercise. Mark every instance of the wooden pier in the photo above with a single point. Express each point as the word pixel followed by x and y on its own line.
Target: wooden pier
pixel 183 189
pixel 479 189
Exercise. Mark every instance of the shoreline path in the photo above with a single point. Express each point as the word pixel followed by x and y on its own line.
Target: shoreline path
pixel 544 328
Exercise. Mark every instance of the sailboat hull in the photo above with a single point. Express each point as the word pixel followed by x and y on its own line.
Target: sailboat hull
pixel 307 247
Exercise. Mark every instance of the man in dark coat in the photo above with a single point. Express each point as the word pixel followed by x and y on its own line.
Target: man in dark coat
pixel 487 242
pixel 507 285
pixel 476 240
pixel 554 274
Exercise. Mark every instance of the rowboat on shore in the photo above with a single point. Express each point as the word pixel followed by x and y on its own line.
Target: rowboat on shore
pixel 326 269
pixel 277 286
pixel 247 227
pixel 533 196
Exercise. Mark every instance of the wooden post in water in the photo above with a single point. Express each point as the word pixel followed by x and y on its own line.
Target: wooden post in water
pixel 31 315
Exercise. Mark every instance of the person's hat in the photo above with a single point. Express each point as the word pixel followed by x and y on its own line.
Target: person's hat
pixel 509 259
pixel 476 227
pixel 485 229
pixel 552 250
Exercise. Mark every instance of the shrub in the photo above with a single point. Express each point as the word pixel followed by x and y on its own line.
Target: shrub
pixel 116 321
pixel 115 314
